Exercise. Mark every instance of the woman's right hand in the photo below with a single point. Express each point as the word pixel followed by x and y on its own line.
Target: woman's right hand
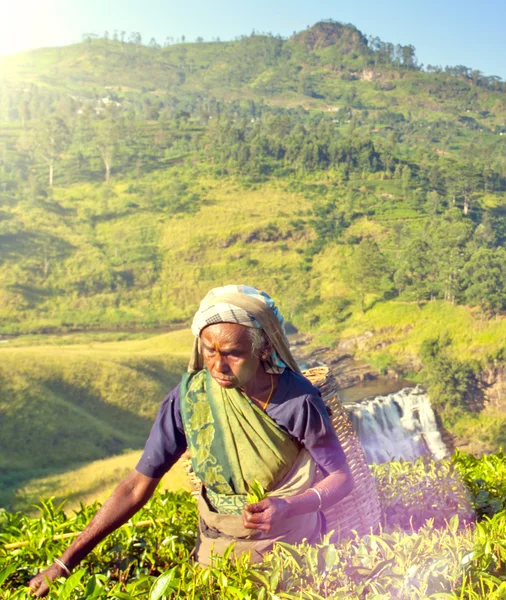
pixel 39 584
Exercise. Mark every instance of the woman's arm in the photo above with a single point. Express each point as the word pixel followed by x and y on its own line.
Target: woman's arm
pixel 128 497
pixel 333 488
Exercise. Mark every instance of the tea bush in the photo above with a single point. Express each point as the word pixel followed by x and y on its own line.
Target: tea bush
pixel 412 493
pixel 427 547
pixel 485 479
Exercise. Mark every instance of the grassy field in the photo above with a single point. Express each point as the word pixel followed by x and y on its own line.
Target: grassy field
pixel 400 328
pixel 83 403
pixel 68 404
pixel 86 484
pixel 166 265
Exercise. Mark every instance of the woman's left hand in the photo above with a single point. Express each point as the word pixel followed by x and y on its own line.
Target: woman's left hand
pixel 264 514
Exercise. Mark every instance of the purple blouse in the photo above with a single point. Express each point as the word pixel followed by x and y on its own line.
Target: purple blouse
pixel 296 406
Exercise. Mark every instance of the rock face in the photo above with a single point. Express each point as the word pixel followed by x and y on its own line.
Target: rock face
pixel 493 381
pixel 344 367
pixel 330 33
pixel 490 394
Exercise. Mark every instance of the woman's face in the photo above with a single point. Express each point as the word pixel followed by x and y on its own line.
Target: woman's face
pixel 228 354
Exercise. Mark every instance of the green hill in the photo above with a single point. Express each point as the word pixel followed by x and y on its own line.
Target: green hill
pixel 67 405
pixel 366 194
pixel 315 138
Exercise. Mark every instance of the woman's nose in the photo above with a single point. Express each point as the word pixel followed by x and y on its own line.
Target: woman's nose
pixel 221 364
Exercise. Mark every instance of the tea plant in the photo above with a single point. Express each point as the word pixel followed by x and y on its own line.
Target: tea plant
pixel 428 547
pixel 485 478
pixel 411 493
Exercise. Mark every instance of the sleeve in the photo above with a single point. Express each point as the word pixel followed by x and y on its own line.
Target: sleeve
pixel 311 425
pixel 166 441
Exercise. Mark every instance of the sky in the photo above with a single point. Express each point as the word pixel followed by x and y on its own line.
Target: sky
pixel 444 32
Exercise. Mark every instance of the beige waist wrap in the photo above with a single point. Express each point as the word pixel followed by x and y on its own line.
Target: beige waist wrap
pixel 218 531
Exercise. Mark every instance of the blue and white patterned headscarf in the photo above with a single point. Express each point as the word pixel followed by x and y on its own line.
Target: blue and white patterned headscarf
pixel 212 311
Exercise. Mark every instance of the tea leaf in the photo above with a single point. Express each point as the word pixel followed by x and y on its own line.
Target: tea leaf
pixel 162 584
pixel 256 492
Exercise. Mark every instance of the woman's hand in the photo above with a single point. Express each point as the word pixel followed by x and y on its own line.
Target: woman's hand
pixel 39 584
pixel 264 514
pixel 128 497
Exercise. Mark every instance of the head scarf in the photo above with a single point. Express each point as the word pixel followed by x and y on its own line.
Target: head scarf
pixel 248 306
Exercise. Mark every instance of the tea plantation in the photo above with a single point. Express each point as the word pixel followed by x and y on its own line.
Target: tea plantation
pixel 443 536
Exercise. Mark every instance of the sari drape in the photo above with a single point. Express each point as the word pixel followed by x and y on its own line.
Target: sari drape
pixel 232 442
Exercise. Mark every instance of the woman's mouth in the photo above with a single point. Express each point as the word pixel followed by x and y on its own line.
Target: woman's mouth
pixel 222 381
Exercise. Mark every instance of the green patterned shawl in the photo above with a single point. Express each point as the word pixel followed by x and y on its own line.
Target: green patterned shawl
pixel 231 442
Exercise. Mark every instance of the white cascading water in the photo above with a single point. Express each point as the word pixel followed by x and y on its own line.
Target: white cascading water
pixel 397 426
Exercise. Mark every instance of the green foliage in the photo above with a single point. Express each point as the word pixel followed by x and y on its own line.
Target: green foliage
pixel 413 274
pixel 484 277
pixel 412 493
pixel 384 362
pixel 485 478
pixel 440 556
pixel 137 138
pixel 452 382
pixel 365 269
pixel 129 553
pixel 256 492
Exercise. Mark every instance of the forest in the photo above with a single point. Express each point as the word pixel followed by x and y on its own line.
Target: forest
pixel 355 130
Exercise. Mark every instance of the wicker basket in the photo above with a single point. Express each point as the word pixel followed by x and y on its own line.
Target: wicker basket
pixel 360 510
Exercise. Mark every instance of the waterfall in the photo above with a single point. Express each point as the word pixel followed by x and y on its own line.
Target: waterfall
pixel 397 426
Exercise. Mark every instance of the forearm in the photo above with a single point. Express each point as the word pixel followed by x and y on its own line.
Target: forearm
pixel 124 502
pixel 331 490
pixel 262 515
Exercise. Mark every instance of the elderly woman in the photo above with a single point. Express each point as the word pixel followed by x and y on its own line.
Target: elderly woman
pixel 245 413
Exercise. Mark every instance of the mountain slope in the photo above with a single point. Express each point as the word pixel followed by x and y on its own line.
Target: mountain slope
pixel 63 405
pixel 328 169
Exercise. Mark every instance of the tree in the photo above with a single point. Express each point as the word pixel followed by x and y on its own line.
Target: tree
pixel 451 382
pixel 415 273
pixel 406 178
pixel 365 270
pixel 50 140
pixel 484 278
pixel 107 137
pixel 433 203
pixel 408 57
pixel 135 38
pixel 89 37
pixel 448 240
pixel 463 181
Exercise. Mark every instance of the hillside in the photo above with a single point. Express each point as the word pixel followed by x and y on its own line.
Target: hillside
pixel 82 483
pixel 337 138
pixel 366 194
pixel 63 406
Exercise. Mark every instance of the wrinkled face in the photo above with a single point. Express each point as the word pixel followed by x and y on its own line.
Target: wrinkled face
pixel 228 354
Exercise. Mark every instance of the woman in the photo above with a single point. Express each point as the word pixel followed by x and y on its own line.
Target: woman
pixel 245 413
